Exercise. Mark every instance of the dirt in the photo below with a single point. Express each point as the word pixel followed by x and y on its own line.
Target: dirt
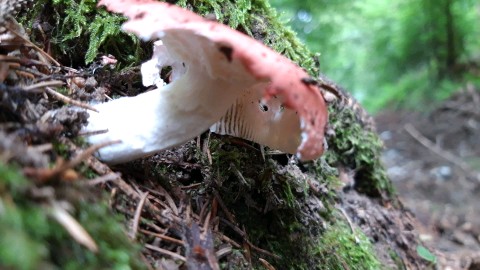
pixel 439 180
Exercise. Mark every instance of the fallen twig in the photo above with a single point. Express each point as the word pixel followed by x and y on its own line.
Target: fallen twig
pixel 41 148
pixel 42 85
pixel 191 186
pixel 68 100
pixel 73 227
pixel 244 236
pixel 91 133
pixel 224 207
pixel 233 243
pixel 350 224
pixel 436 149
pixel 42 52
pixel 164 237
pixel 103 169
pixel 167 252
pixel 266 264
pixel 223 252
pixel 45 174
pixel 138 213
pixel 103 179
pixel 163 193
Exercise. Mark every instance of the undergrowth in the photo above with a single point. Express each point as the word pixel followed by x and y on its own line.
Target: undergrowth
pixel 28 228
pixel 80 31
pixel 341 248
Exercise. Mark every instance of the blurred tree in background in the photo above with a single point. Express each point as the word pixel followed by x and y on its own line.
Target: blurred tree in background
pixel 400 53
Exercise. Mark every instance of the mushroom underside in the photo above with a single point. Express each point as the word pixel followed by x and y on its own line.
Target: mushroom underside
pixel 208 91
pixel 221 79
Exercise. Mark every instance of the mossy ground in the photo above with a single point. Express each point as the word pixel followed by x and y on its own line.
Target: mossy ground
pixel 33 239
pixel 285 207
pixel 342 248
pixel 276 200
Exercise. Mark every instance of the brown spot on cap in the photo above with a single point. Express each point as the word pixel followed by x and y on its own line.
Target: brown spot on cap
pixel 139 16
pixel 227 51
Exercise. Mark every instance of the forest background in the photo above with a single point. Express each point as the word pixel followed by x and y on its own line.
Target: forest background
pixel 391 54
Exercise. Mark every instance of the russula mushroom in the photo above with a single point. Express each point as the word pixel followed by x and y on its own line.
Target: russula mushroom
pixel 221 79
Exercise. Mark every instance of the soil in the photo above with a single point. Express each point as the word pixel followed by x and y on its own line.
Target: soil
pixel 433 160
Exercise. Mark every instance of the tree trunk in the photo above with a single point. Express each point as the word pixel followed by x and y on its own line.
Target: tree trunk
pixel 451 58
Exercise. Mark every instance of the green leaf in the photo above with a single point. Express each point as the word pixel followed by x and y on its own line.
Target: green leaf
pixel 426 254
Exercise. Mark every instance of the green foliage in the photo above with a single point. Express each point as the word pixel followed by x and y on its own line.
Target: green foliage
pixel 16 225
pixel 28 229
pixel 235 14
pixel 413 87
pixel 15 240
pixel 406 92
pixel 115 249
pixel 426 254
pixel 340 247
pixel 82 31
pixel 399 52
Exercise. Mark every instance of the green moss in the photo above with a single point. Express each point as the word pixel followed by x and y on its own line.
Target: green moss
pixel 288 229
pixel 61 149
pixel 235 14
pixel 281 233
pixel 115 249
pixel 267 200
pixel 274 206
pixel 81 31
pixel 225 160
pixel 15 240
pixel 28 229
pixel 359 150
pixel 86 171
pixel 80 141
pixel 340 248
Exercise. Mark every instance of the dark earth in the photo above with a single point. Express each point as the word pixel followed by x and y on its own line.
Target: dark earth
pixel 439 182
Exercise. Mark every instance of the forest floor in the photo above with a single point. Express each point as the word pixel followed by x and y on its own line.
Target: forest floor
pixel 433 160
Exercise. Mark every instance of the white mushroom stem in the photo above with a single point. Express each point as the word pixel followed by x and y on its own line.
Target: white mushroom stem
pixel 169 116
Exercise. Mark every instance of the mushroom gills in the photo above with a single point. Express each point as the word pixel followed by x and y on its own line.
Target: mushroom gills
pixel 268 123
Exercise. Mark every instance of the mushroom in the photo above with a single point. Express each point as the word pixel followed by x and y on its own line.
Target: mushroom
pixel 221 79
